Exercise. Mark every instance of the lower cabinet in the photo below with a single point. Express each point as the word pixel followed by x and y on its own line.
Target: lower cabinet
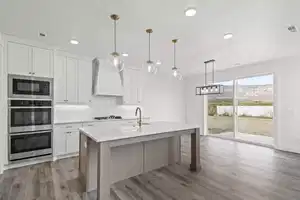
pixel 66 140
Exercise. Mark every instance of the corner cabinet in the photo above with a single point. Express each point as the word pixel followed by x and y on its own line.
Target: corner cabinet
pixel 29 61
pixel 72 80
pixel 132 86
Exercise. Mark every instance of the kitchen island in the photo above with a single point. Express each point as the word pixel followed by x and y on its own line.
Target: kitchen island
pixel 109 154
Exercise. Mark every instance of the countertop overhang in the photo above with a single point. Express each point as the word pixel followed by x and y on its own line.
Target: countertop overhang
pixel 108 133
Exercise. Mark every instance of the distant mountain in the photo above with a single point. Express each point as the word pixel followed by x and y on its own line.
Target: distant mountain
pixel 247 92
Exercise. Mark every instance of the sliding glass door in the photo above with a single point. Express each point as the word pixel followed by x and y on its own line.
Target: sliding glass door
pixel 220 119
pixel 255 109
pixel 244 111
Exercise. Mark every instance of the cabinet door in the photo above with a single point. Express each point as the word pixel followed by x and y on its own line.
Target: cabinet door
pixel 19 59
pixel 60 142
pixel 42 62
pixel 73 141
pixel 72 80
pixel 60 79
pixel 84 81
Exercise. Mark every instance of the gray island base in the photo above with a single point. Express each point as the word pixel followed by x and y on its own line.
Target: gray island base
pixel 109 154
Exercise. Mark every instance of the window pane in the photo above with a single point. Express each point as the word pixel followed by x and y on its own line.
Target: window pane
pixel 220 112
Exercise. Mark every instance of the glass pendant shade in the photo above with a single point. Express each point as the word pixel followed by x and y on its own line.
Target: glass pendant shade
pixel 177 74
pixel 151 67
pixel 116 61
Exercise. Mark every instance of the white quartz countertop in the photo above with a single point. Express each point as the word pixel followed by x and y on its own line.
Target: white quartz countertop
pixel 104 133
pixel 93 120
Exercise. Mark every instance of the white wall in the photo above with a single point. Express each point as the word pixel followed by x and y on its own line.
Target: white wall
pixel 286 97
pixel 162 100
pixel 2 107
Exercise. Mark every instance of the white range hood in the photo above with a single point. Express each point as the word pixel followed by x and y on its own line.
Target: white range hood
pixel 106 79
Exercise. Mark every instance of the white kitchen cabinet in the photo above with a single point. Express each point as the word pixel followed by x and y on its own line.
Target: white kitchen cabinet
pixel 19 59
pixel 66 139
pixel 84 81
pixel 42 62
pixel 60 83
pixel 132 86
pixel 60 137
pixel 65 80
pixel 27 60
pixel 71 78
pixel 72 142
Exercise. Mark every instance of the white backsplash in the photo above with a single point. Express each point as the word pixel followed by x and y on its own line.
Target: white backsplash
pixel 100 106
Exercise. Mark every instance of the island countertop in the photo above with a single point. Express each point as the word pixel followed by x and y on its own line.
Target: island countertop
pixel 105 133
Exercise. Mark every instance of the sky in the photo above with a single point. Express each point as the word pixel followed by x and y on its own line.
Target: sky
pixel 257 80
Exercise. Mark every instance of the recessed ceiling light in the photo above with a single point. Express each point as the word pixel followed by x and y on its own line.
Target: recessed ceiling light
pixel 158 62
pixel 73 41
pixel 228 36
pixel 189 12
pixel 125 54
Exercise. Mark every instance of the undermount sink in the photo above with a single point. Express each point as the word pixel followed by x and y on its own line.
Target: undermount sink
pixel 134 127
pixel 143 123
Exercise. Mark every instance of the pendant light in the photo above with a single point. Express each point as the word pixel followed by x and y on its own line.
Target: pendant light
pixel 115 57
pixel 176 72
pixel 151 66
pixel 210 89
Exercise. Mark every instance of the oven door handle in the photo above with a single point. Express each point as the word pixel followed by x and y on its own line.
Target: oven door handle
pixel 32 133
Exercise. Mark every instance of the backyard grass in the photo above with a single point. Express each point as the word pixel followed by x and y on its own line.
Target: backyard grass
pixel 229 102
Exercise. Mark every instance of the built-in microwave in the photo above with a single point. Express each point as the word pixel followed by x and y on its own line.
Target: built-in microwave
pixel 29 87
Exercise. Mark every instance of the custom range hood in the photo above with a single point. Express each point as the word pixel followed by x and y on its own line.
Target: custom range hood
pixel 106 79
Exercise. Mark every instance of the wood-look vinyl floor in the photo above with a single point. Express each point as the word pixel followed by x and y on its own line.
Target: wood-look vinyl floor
pixel 230 171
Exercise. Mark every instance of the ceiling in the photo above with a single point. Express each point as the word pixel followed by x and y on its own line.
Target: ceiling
pixel 259 28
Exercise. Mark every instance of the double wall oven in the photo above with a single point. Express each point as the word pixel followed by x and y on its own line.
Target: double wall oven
pixel 30 117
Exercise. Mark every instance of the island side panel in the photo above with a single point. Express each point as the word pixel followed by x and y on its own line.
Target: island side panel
pixel 88 157
pixel 174 150
pixel 83 160
pixel 195 150
pixel 104 180
pixel 156 154
pixel 126 161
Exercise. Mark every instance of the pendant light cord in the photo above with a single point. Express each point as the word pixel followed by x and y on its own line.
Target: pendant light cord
pixel 115 36
pixel 149 48
pixel 174 55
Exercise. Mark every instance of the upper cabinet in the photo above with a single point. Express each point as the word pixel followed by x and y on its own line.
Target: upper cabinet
pixel 84 81
pixel 132 86
pixel 72 80
pixel 18 59
pixel 27 60
pixel 60 84
pixel 42 62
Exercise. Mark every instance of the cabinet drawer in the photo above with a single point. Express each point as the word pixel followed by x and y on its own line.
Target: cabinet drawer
pixel 69 126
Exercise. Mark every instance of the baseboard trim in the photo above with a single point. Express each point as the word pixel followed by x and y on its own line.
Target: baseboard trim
pixel 24 163
pixel 242 141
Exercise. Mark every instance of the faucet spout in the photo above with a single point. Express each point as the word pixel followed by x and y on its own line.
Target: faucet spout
pixel 138 109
